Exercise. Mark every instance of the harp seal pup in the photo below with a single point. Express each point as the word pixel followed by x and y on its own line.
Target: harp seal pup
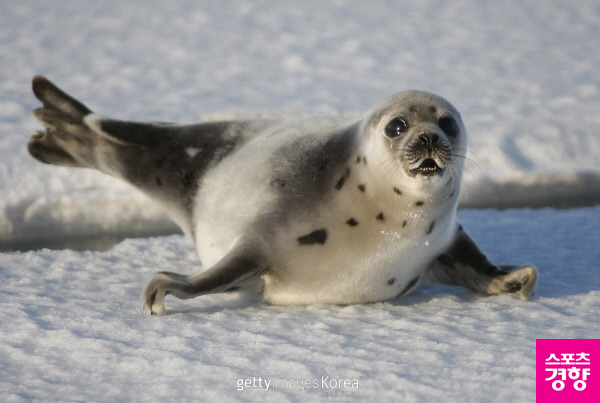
pixel 300 211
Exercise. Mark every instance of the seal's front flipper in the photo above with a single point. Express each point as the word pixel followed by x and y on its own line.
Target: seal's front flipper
pixel 521 280
pixel 463 264
pixel 239 269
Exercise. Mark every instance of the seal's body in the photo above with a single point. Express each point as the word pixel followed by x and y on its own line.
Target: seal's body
pixel 301 211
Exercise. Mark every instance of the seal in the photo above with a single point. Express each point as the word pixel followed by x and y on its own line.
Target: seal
pixel 301 210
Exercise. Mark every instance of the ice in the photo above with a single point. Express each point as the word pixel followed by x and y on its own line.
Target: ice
pixel 523 75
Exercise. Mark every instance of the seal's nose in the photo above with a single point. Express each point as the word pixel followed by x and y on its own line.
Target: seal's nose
pixel 429 138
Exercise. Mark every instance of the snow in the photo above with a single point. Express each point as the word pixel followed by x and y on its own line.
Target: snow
pixel 74 327
pixel 523 75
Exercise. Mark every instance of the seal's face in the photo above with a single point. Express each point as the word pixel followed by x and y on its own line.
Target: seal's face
pixel 419 136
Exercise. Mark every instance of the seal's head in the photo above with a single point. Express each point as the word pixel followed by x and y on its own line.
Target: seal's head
pixel 418 136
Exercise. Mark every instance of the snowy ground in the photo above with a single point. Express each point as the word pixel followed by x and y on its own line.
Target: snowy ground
pixel 524 76
pixel 73 327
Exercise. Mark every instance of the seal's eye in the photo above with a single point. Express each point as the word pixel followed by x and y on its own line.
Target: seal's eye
pixel 449 126
pixel 396 127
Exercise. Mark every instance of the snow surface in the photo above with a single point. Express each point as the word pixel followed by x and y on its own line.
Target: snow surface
pixel 73 327
pixel 524 76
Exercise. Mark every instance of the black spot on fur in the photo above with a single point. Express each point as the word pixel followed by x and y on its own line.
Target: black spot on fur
pixel 412 109
pixel 365 160
pixel 430 229
pixel 352 222
pixel 319 236
pixel 158 181
pixel 404 223
pixel 380 217
pixel 432 109
pixel 362 187
pixel 358 159
pixel 419 203
pixel 409 286
pixel 341 181
pixel 397 191
pixel 391 281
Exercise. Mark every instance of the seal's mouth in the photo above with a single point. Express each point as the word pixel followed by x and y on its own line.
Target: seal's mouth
pixel 427 168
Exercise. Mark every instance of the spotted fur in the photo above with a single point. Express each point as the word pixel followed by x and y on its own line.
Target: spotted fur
pixel 316 237
pixel 352 222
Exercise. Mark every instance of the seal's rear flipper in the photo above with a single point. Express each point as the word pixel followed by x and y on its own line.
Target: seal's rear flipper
pixel 67 139
pixel 164 161
pixel 54 99
pixel 463 264
pixel 44 147
pixel 240 268
pixel 76 137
